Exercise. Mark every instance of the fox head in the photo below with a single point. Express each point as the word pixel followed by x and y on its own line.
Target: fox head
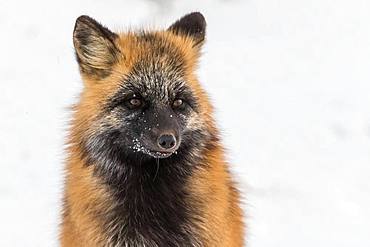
pixel 141 99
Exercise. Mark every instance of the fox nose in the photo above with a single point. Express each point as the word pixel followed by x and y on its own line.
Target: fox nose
pixel 166 141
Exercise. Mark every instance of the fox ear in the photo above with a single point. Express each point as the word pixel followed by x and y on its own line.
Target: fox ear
pixel 193 25
pixel 95 49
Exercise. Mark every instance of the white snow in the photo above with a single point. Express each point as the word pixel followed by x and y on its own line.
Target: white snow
pixel 291 84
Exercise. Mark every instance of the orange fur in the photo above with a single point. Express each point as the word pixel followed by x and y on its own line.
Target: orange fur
pixel 222 217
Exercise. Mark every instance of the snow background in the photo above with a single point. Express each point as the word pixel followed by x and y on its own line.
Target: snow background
pixel 290 81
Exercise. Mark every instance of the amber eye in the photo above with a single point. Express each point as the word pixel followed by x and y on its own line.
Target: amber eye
pixel 177 103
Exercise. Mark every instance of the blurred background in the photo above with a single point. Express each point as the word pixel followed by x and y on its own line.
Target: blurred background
pixel 291 84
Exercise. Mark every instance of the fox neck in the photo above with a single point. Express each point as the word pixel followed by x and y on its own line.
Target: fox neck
pixel 153 204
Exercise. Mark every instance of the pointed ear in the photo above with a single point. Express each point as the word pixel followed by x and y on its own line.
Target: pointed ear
pixel 193 25
pixel 95 49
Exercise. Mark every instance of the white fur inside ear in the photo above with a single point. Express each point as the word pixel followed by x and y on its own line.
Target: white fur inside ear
pixel 94 44
pixel 98 53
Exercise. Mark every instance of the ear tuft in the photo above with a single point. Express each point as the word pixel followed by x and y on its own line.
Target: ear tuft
pixel 193 25
pixel 95 48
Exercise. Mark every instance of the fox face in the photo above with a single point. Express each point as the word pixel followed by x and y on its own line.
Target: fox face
pixel 155 112
pixel 141 100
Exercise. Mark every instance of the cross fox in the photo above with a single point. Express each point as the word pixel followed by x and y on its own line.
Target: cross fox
pixel 145 163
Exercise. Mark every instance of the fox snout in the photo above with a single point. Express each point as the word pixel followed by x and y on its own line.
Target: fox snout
pixel 161 133
pixel 166 142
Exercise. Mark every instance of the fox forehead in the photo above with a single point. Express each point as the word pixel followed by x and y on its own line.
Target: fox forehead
pixel 157 85
pixel 150 44
pixel 152 51
pixel 157 66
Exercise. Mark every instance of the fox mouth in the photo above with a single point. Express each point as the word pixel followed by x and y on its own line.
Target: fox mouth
pixel 158 154
pixel 138 147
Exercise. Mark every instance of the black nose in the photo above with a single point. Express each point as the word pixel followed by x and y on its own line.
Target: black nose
pixel 166 141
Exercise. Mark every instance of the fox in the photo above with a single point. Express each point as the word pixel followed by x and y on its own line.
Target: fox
pixel 145 164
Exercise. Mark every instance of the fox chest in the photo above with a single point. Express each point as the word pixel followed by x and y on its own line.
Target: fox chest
pixel 154 215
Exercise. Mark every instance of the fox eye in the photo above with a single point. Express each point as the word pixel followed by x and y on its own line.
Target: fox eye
pixel 178 103
pixel 134 102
